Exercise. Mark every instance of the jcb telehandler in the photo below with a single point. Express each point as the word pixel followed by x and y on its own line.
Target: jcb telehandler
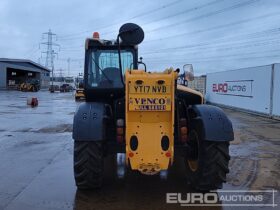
pixel 147 116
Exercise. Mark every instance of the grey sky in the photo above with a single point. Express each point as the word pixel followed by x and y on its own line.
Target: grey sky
pixel 213 35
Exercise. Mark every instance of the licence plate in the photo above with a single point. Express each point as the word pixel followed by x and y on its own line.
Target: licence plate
pixel 149 89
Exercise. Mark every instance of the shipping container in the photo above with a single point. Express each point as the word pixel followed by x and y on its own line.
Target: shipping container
pixel 255 89
pixel 276 91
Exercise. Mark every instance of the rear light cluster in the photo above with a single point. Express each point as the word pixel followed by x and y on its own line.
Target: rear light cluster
pixel 183 130
pixel 120 130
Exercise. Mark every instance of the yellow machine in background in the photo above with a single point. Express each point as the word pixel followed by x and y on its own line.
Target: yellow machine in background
pixel 31 85
pixel 80 94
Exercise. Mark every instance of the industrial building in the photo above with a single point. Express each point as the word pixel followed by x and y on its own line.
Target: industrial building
pixel 199 83
pixel 16 71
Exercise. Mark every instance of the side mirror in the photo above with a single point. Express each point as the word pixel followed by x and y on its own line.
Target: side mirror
pixel 131 34
pixel 188 72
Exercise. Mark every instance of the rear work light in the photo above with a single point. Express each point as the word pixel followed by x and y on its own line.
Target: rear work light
pixel 96 35
pixel 183 130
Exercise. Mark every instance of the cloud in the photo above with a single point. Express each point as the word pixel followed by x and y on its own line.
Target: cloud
pixel 209 46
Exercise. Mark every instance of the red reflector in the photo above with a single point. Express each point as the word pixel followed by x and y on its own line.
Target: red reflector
pixel 184 130
pixel 119 131
pixel 130 154
pixel 120 139
pixel 168 154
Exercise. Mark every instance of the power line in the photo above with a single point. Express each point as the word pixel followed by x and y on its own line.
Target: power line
pixel 71 47
pixel 31 53
pixel 180 13
pixel 32 49
pixel 268 32
pixel 215 27
pixel 155 9
pixel 188 20
pixel 71 50
pixel 197 17
pixel 189 54
pixel 206 15
pixel 72 59
pixel 50 51
pixel 133 17
pixel 203 44
pixel 185 11
pixel 214 60
pixel 221 57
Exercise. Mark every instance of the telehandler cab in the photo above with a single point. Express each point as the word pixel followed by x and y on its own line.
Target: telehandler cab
pixel 147 116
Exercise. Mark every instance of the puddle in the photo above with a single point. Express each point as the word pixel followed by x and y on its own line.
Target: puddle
pixel 245 150
pixel 56 129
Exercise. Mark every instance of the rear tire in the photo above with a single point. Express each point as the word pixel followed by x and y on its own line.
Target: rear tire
pixel 88 164
pixel 208 167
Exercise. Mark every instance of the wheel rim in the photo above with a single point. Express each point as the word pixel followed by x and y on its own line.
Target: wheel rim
pixel 194 143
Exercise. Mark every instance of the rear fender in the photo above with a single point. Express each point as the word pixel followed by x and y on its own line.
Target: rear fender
pixel 90 122
pixel 212 121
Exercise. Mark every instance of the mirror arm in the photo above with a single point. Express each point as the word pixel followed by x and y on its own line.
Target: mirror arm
pixel 120 60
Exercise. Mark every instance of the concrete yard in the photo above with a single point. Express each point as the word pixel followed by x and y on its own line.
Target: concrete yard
pixel 36 152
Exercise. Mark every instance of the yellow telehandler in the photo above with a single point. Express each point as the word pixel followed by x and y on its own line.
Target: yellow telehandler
pixel 147 115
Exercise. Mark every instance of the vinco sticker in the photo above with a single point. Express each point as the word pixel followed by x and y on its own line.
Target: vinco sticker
pixel 149 103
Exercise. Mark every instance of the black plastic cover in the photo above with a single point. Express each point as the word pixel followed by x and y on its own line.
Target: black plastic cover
pixel 89 122
pixel 215 124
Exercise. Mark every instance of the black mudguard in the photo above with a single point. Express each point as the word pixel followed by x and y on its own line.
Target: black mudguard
pixel 89 122
pixel 213 122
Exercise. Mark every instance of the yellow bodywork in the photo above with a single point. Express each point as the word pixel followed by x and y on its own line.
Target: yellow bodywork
pixel 150 113
pixel 189 90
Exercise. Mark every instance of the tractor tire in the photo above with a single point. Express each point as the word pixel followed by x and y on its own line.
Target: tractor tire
pixel 88 164
pixel 208 166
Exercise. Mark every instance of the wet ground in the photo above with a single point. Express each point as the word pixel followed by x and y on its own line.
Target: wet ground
pixel 36 161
